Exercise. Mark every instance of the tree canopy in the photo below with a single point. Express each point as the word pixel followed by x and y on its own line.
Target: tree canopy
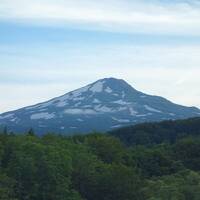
pixel 160 162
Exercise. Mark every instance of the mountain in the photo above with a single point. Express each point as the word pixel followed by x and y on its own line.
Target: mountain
pixel 103 105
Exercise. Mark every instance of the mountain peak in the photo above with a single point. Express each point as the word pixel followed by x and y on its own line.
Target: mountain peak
pixel 111 84
pixel 112 80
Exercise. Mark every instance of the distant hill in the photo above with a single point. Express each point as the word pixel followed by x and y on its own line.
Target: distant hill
pixel 157 133
pixel 101 106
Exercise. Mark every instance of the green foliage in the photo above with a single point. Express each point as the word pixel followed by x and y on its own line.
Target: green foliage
pixel 7 188
pixel 181 186
pixel 155 161
pixel 100 167
pixel 188 151
pixel 156 133
pixel 41 171
pixel 108 149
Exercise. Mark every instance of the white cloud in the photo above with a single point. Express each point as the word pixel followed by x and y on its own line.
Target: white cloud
pixel 31 75
pixel 111 15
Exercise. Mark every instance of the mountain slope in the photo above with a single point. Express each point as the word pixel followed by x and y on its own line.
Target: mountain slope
pixel 103 105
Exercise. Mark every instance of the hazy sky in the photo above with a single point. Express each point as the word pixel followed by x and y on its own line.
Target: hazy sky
pixel 49 47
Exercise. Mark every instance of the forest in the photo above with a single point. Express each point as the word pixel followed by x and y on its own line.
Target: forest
pixel 151 161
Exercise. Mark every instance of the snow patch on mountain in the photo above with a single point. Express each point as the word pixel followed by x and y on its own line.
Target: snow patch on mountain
pixel 149 108
pixel 108 90
pixel 86 106
pixel 132 111
pixel 116 126
pixel 121 120
pixel 77 111
pixel 78 98
pixel 77 104
pixel 96 101
pixel 77 93
pixel 142 115
pixel 7 116
pixel 121 108
pixel 97 87
pixel 80 120
pixel 103 109
pixel 121 102
pixel 62 104
pixel 14 119
pixel 123 94
pixel 44 115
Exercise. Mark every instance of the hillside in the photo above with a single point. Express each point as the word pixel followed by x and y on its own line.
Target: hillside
pixel 156 133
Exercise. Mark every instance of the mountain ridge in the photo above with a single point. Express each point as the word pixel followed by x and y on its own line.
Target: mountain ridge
pixel 105 104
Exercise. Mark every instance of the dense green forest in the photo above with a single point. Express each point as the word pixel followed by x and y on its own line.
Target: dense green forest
pixel 158 132
pixel 157 161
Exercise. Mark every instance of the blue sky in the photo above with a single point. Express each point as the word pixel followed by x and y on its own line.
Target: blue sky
pixel 49 47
